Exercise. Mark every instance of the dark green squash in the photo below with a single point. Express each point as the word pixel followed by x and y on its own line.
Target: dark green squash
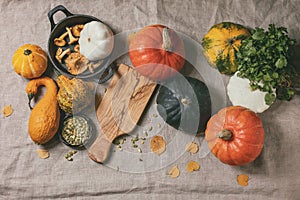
pixel 185 104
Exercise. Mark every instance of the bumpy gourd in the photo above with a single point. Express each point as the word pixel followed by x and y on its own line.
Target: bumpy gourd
pixel 221 44
pixel 74 94
pixel 44 118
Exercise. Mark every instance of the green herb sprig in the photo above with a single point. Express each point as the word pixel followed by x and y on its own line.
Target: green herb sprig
pixel 263 58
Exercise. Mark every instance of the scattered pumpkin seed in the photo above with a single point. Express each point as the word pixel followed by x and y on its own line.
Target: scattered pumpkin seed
pixel 142 142
pixel 116 142
pixel 134 146
pixel 140 159
pixel 158 125
pixel 155 115
pixel 69 158
pixel 150 128
pixel 43 153
pixel 145 133
pixel 135 139
pixel 69 155
pixel 140 150
pixel 7 111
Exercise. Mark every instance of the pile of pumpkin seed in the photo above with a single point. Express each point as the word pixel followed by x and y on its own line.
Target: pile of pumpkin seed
pixel 75 130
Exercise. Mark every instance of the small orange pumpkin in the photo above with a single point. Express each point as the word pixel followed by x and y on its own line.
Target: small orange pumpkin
pixel 235 135
pixel 30 61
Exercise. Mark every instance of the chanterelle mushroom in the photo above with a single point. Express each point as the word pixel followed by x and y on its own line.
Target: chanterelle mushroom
pixel 77 48
pixel 77 29
pixel 76 63
pixel 60 41
pixel 71 37
pixel 60 54
pixel 59 51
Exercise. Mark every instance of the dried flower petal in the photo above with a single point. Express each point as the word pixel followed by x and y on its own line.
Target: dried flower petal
pixel 158 144
pixel 243 179
pixel 174 172
pixel 192 166
pixel 192 147
pixel 43 153
pixel 7 110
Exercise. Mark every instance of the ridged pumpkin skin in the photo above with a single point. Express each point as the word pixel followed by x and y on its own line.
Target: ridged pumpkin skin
pixel 221 44
pixel 30 61
pixel 157 52
pixel 183 105
pixel 44 118
pixel 247 137
pixel 74 95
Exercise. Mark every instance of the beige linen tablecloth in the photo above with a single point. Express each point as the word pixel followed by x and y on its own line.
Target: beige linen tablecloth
pixel 274 175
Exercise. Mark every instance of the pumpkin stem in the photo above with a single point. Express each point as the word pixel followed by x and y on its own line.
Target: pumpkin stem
pixel 30 97
pixel 27 52
pixel 167 44
pixel 225 135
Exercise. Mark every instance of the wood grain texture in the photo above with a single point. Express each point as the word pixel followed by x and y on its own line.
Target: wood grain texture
pixel 121 108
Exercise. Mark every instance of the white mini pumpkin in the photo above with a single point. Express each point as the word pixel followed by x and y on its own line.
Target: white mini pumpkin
pixel 96 41
pixel 240 94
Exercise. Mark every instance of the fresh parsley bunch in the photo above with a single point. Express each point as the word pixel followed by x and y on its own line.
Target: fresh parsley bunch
pixel 263 58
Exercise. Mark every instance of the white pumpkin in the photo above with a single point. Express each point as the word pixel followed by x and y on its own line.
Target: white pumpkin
pixel 241 94
pixel 96 41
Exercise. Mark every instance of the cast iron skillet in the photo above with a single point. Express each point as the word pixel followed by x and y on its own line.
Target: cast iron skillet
pixel 101 73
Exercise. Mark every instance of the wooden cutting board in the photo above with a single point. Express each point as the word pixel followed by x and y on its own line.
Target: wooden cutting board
pixel 120 109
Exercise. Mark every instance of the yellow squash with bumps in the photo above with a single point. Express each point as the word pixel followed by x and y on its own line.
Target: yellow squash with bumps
pixel 44 118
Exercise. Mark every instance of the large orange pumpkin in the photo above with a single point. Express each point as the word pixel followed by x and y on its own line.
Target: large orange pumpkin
pixel 30 61
pixel 157 52
pixel 235 135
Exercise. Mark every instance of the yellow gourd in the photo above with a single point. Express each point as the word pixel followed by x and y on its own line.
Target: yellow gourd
pixel 44 118
pixel 221 44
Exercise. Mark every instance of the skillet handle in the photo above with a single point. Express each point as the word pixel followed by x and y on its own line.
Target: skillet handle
pixel 106 75
pixel 55 10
